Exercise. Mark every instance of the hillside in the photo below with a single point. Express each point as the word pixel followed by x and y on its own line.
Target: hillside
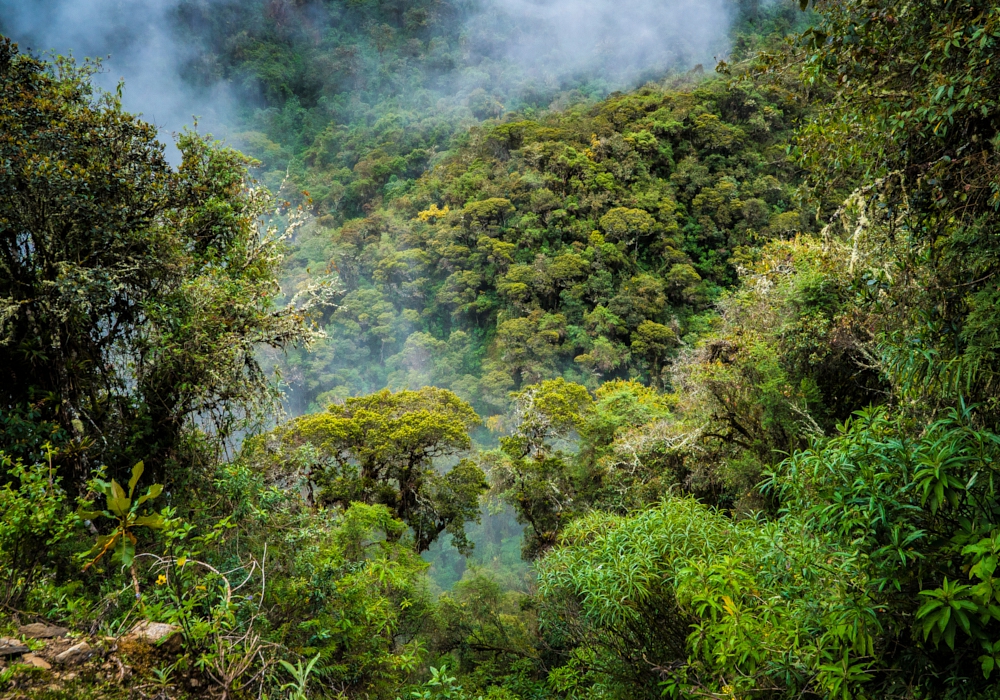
pixel 589 244
pixel 499 368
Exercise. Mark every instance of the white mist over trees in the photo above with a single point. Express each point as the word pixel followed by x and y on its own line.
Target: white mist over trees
pixel 137 42
pixel 557 42
pixel 619 41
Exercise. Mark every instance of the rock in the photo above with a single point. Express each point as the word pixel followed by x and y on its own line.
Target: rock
pixel 75 654
pixel 40 630
pixel 156 634
pixel 36 661
pixel 12 647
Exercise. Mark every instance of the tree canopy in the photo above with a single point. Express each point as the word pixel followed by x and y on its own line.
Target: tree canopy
pixel 687 391
pixel 585 244
pixel 134 295
pixel 382 449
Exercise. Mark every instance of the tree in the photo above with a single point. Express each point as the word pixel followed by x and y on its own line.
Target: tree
pixel 653 341
pixel 133 296
pixel 628 226
pixel 380 449
pixel 530 470
pixel 915 117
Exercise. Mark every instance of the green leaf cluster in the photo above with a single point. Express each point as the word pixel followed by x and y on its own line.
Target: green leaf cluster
pixel 121 507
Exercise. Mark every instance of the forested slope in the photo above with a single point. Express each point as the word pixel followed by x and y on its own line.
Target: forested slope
pixel 724 346
pixel 353 100
pixel 588 244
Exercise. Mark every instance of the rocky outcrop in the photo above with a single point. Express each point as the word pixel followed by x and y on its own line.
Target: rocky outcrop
pixel 39 630
pixel 78 653
pixel 12 647
pixel 166 637
pixel 36 661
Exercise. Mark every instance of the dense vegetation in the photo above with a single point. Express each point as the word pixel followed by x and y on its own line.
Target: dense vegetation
pixel 725 348
pixel 352 100
pixel 587 244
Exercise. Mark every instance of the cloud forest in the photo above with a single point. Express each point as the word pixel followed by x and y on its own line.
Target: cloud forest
pixel 499 350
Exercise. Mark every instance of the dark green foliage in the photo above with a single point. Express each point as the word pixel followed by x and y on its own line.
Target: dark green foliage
pixel 493 633
pixel 133 295
pixel 541 247
pixel 885 552
pixel 381 449
pixel 915 113
pixel 345 586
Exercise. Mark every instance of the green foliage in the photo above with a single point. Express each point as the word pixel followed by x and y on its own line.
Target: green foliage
pixel 121 507
pixel 625 456
pixel 782 364
pixel 529 470
pixel 440 686
pixel 36 526
pixel 920 509
pixel 300 675
pixel 541 245
pixel 784 360
pixel 133 296
pixel 749 461
pixel 653 341
pixel 493 632
pixel 282 583
pixel 381 448
pixel 609 590
pixel 914 117
pixel 355 595
pixel 881 530
pixel 347 103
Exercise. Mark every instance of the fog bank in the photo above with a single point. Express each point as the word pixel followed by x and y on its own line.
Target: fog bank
pixel 137 42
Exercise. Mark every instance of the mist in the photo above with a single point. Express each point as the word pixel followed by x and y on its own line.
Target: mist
pixel 615 44
pixel 475 59
pixel 620 42
pixel 137 42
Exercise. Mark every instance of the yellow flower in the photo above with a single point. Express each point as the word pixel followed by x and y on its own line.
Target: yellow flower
pixel 433 213
pixel 160 580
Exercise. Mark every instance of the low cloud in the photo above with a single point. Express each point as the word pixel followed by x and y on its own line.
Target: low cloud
pixel 608 44
pixel 137 42
pixel 617 41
